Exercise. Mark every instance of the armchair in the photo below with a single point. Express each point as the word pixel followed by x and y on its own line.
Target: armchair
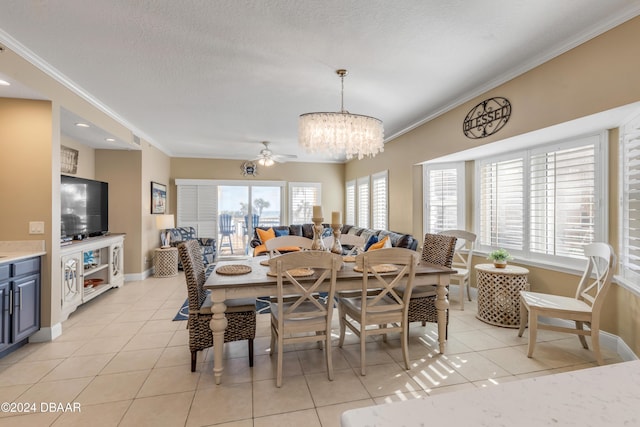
pixel 207 244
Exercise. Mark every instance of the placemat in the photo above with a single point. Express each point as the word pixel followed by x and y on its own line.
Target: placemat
pixel 265 262
pixel 349 258
pixel 233 269
pixel 296 272
pixel 380 268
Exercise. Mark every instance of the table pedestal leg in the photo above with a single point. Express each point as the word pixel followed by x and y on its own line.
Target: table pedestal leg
pixel 218 326
pixel 442 304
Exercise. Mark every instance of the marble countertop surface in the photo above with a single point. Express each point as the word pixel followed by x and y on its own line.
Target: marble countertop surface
pixel 602 396
pixel 11 251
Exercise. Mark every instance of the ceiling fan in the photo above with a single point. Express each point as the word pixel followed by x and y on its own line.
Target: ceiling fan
pixel 268 158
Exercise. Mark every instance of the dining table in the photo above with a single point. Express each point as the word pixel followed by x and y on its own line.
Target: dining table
pixel 256 282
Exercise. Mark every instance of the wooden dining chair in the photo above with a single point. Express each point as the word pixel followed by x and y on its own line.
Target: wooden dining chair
pixel 583 308
pixel 462 257
pixel 297 314
pixel 240 313
pixel 283 244
pixel 382 310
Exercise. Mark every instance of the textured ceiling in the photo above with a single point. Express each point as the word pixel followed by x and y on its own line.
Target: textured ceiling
pixel 204 78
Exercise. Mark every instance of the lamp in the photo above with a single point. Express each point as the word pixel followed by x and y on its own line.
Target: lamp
pixel 165 222
pixel 341 133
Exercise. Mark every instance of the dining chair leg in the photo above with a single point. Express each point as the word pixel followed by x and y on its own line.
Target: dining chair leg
pixel 533 331
pixel 405 349
pixel 342 329
pixel 469 289
pixel 250 344
pixel 363 353
pixel 523 317
pixel 328 355
pixel 583 340
pixel 194 357
pixel 595 343
pixel 279 362
pixel 461 294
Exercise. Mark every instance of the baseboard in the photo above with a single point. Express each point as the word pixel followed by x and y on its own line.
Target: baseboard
pixel 138 276
pixel 608 340
pixel 46 334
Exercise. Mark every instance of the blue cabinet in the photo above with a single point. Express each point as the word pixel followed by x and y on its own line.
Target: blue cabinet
pixel 19 302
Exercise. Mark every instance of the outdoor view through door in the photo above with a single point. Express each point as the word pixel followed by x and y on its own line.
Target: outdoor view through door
pixel 240 209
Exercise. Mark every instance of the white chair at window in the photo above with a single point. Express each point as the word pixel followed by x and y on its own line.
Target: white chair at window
pixel 462 260
pixel 283 244
pixel 382 310
pixel 297 314
pixel 582 309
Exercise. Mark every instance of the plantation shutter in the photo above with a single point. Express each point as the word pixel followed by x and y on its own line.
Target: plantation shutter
pixel 302 197
pixel 379 200
pixel 630 256
pixel 502 204
pixel 350 203
pixel 562 201
pixel 442 199
pixel 363 202
pixel 197 208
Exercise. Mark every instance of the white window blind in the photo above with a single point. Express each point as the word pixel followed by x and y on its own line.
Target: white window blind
pixel 562 201
pixel 444 197
pixel 544 204
pixel 197 207
pixel 502 203
pixel 363 202
pixel 630 221
pixel 379 200
pixel 350 203
pixel 302 197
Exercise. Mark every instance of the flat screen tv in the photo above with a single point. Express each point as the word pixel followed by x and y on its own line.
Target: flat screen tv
pixel 84 207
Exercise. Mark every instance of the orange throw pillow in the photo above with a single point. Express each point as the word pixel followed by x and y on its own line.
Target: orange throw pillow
pixel 265 235
pixel 381 244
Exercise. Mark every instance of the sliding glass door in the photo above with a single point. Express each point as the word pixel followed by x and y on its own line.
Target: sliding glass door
pixel 242 207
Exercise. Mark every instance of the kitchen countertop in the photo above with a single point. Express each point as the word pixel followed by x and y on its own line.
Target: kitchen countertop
pixel 602 396
pixel 11 251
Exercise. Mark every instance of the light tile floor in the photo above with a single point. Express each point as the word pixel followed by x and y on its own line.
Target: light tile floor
pixel 126 363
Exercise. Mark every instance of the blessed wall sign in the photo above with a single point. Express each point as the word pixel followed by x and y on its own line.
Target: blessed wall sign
pixel 487 118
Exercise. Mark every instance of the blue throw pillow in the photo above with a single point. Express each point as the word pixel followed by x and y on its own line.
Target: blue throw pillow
pixel 279 233
pixel 371 241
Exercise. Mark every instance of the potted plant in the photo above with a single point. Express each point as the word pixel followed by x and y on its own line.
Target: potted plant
pixel 499 258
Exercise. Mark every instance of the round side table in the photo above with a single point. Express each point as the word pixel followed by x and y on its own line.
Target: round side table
pixel 499 294
pixel 166 262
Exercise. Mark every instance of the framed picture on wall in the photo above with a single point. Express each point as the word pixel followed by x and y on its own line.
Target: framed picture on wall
pixel 158 198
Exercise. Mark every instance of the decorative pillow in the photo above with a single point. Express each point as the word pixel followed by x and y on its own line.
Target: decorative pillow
pixel 265 235
pixel 381 244
pixel 280 233
pixel 372 240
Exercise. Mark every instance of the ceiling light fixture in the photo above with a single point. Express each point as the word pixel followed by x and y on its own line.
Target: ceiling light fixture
pixel 82 125
pixel 4 83
pixel 266 161
pixel 342 133
pixel 110 139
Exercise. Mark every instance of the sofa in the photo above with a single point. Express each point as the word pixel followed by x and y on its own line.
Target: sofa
pixel 399 240
pixel 207 244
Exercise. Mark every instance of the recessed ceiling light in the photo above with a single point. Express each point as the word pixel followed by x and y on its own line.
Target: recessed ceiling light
pixel 82 125
pixel 110 140
pixel 4 83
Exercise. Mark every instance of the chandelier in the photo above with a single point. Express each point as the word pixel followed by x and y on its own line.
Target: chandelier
pixel 342 133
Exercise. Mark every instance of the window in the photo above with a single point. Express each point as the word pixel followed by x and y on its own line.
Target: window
pixel 544 203
pixel 350 203
pixel 302 197
pixel 379 200
pixel 630 217
pixel 444 197
pixel 363 202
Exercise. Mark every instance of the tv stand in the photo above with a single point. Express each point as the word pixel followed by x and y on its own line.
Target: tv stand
pixel 90 267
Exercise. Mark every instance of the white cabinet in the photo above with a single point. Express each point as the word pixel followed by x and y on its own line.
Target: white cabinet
pixel 89 268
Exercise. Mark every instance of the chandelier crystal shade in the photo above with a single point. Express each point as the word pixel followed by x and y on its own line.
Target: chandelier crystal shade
pixel 341 133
